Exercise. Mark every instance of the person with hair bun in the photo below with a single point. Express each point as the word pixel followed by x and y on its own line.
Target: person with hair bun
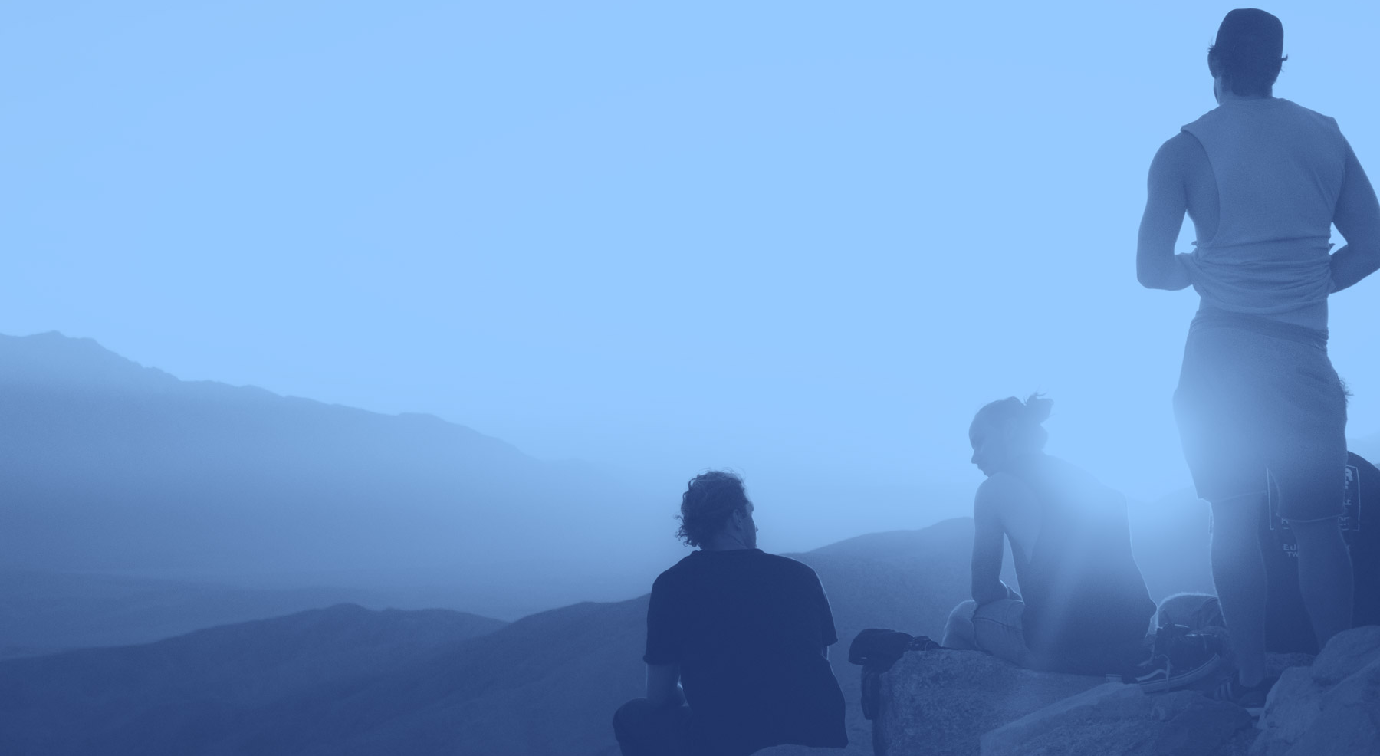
pixel 1258 403
pixel 1083 605
pixel 737 642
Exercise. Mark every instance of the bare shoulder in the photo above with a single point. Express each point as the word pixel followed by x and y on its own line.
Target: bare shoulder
pixel 1001 491
pixel 1177 154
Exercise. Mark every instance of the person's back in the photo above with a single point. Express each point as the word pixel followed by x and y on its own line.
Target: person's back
pixel 1277 170
pixel 744 632
pixel 1086 602
pixel 1083 605
pixel 747 629
pixel 1258 398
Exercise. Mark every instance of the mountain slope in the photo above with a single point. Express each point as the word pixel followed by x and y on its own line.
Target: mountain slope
pixel 108 466
pixel 43 612
pixel 170 696
pixel 545 684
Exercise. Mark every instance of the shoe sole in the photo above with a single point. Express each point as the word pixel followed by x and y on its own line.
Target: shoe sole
pixel 1182 681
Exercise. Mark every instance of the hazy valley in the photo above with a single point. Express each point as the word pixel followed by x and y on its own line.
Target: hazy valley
pixel 247 573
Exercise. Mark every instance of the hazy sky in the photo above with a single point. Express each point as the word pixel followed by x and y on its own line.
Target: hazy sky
pixel 806 240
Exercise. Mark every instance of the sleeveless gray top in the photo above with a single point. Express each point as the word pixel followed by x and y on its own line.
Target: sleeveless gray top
pixel 1279 170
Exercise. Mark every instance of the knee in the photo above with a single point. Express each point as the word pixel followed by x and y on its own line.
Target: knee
pixel 961 614
pixel 1316 530
pixel 958 629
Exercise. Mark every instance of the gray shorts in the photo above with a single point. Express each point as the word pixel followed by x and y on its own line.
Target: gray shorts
pixel 998 628
pixel 1256 406
pixel 994 627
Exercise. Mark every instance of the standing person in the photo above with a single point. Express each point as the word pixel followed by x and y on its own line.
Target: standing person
pixel 737 642
pixel 1286 620
pixel 1287 628
pixel 1263 180
pixel 1085 607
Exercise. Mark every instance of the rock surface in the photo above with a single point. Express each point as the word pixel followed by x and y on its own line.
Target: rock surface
pixel 967 703
pixel 942 701
pixel 1121 719
pixel 1332 707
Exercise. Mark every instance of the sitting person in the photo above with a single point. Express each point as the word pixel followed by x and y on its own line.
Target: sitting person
pixel 746 634
pixel 1085 607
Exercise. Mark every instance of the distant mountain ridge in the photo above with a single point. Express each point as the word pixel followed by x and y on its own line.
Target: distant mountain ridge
pixel 54 359
pixel 166 697
pixel 47 612
pixel 545 684
pixel 108 466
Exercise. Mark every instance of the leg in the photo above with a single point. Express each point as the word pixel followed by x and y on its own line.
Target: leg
pixel 958 631
pixel 1238 571
pixel 1312 485
pixel 998 631
pixel 1325 576
pixel 644 730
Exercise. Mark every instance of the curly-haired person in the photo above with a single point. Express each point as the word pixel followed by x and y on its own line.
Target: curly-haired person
pixel 737 642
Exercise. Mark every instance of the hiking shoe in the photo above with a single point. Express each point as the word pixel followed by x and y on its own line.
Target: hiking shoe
pixel 1251 699
pixel 1180 658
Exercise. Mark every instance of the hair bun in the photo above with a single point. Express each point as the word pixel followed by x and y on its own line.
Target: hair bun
pixel 1037 408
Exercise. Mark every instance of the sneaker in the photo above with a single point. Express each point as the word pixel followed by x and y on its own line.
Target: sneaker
pixel 1179 658
pixel 1251 699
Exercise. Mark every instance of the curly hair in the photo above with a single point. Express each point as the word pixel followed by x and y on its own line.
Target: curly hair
pixel 1027 417
pixel 709 500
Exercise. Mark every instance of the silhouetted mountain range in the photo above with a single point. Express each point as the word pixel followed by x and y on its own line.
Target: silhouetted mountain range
pixel 351 681
pixel 184 694
pixel 107 466
pixel 46 612
pixel 110 467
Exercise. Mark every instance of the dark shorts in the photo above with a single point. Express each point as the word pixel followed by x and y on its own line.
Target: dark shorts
pixel 1257 408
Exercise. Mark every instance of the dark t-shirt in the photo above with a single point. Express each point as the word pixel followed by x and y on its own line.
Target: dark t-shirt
pixel 748 630
pixel 1287 627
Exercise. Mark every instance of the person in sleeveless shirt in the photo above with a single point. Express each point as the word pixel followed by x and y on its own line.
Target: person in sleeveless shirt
pixel 1083 605
pixel 1287 629
pixel 1258 403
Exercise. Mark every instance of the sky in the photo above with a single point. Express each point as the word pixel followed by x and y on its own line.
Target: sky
pixel 802 240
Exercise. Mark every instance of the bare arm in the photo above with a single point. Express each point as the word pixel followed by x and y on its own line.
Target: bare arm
pixel 988 541
pixel 1157 267
pixel 663 685
pixel 1358 219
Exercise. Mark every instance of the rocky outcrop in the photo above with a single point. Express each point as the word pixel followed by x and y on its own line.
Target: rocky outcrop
pixel 1121 719
pixel 1332 707
pixel 942 701
pixel 966 703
